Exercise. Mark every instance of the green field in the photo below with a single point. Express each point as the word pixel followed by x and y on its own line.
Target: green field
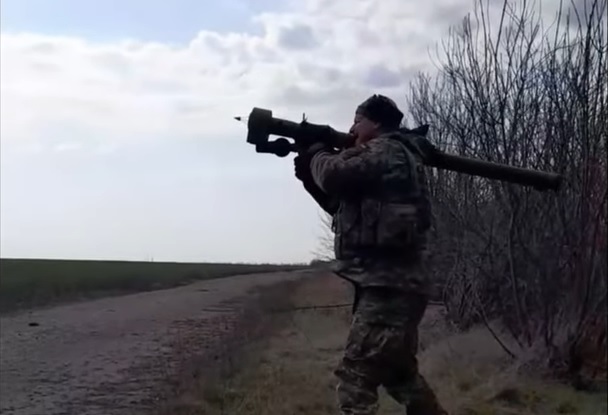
pixel 26 283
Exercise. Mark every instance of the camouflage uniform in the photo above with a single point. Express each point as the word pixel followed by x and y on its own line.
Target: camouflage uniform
pixel 380 247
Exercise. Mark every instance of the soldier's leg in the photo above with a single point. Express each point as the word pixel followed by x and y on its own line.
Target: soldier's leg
pixel 417 396
pixel 361 370
pixel 407 386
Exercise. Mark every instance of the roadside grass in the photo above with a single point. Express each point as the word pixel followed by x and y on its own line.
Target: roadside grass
pixel 290 372
pixel 27 283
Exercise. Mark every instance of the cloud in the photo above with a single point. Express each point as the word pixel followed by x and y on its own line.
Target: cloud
pixel 298 37
pixel 138 89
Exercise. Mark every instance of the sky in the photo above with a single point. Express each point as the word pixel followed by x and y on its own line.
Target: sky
pixel 117 132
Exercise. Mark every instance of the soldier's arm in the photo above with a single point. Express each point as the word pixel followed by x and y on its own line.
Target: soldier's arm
pixel 302 171
pixel 328 203
pixel 353 170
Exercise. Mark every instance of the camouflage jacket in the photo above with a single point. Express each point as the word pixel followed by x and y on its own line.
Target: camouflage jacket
pixel 383 212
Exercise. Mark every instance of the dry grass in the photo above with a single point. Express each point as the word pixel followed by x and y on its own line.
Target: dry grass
pixel 291 371
pixel 208 353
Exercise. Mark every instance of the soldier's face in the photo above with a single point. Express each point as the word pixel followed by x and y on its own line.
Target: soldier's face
pixel 363 129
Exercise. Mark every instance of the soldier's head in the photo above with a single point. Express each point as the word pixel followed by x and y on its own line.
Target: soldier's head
pixel 376 115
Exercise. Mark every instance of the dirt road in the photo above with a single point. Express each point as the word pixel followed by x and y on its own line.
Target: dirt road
pixel 110 356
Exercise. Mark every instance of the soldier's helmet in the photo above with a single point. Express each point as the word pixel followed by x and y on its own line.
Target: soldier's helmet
pixel 381 109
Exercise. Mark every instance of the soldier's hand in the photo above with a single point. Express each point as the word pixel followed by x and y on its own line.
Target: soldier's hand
pixel 301 165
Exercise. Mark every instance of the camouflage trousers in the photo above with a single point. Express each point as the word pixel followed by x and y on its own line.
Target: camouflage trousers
pixel 384 355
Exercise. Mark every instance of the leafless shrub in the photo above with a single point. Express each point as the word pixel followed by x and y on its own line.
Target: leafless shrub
pixel 325 249
pixel 534 97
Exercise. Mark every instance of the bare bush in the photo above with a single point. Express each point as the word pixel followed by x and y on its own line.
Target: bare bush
pixel 325 249
pixel 535 97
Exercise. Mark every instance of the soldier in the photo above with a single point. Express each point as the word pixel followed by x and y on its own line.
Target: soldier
pixel 376 192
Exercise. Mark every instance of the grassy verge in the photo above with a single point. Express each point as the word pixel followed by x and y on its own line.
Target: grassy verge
pixel 291 371
pixel 209 353
pixel 26 283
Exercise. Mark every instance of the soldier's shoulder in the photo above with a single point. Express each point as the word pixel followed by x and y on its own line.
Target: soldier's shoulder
pixel 389 147
pixel 386 142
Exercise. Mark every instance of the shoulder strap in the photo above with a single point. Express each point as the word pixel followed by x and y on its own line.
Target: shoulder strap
pixel 416 157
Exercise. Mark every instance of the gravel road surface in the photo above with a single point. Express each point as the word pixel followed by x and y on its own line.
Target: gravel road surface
pixel 107 356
